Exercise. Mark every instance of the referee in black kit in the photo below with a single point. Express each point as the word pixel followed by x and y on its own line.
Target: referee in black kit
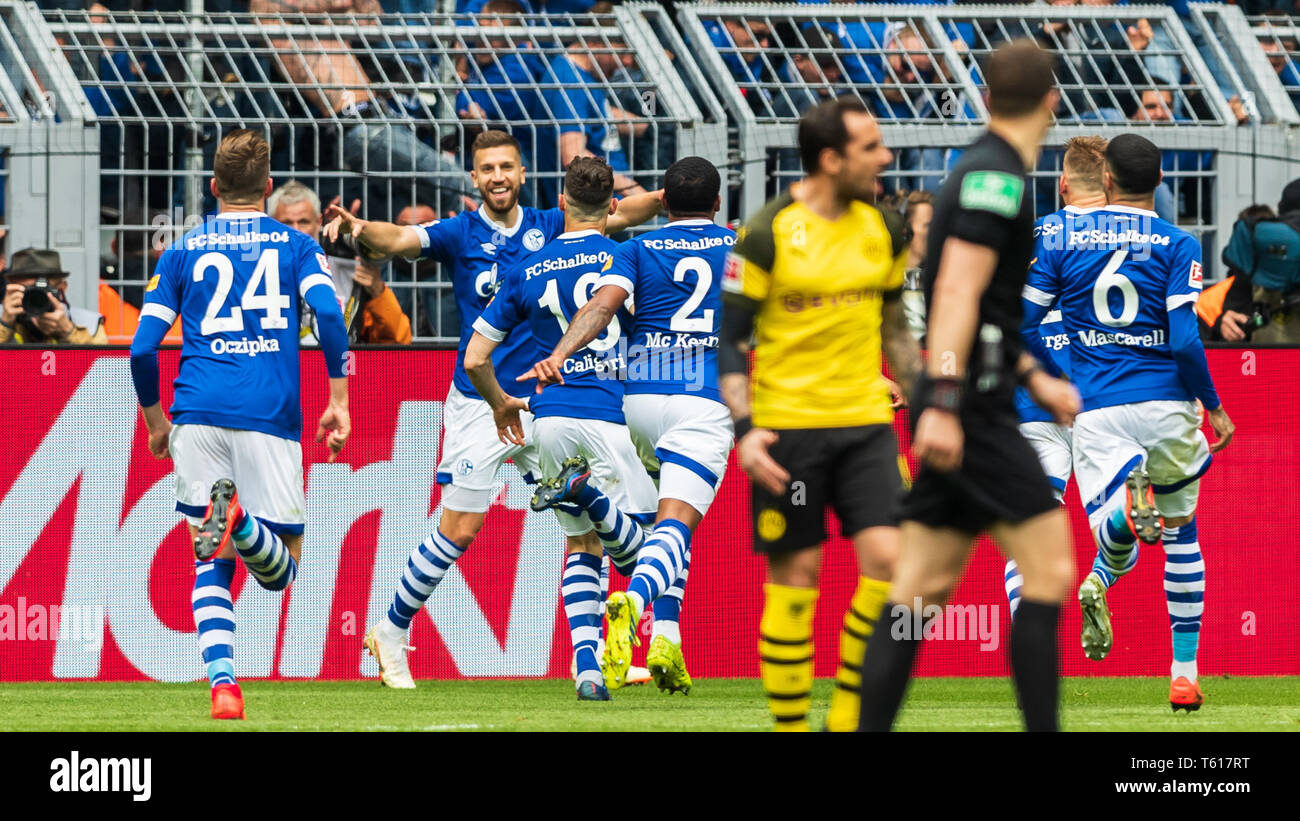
pixel 977 472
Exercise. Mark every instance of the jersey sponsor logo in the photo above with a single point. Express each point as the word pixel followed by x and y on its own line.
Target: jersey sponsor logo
pixel 534 239
pixel 247 347
pixel 578 260
pixel 1194 276
pixel 485 284
pixel 701 244
pixel 215 240
pixel 994 191
pixel 153 283
pixel 324 263
pixel 1056 341
pixel 796 302
pixel 1151 339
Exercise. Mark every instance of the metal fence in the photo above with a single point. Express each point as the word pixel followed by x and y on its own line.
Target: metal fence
pixel 379 110
pixel 111 121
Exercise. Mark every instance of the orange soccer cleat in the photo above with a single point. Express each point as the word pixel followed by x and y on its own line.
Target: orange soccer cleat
pixel 219 521
pixel 1185 694
pixel 227 702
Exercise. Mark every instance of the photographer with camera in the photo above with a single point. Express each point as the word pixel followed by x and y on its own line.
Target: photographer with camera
pixel 1263 256
pixel 35 310
pixel 370 309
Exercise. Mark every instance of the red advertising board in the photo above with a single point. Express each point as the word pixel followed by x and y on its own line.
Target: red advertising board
pixel 88 532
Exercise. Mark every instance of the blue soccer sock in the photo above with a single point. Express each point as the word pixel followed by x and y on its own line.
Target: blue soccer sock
pixel 264 554
pixel 659 562
pixel 1013 580
pixel 580 589
pixel 668 607
pixel 428 563
pixel 214 618
pixel 1184 595
pixel 619 533
pixel 1117 552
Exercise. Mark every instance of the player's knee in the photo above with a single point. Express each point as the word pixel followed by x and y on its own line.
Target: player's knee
pixel 459 527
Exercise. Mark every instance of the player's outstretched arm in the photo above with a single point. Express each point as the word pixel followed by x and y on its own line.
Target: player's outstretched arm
pixel 505 408
pixel 634 210
pixel 376 239
pixel 590 321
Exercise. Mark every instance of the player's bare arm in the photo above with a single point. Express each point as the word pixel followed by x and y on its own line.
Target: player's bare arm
pixel 591 321
pixel 377 240
pixel 634 209
pixel 335 424
pixel 1056 396
pixel 505 408
pixel 965 271
pixel 901 349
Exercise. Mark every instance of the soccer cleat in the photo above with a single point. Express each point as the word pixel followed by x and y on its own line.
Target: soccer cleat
pixel 223 515
pixel 1140 507
pixel 667 666
pixel 620 636
pixel 1185 694
pixel 1097 635
pixel 591 691
pixel 573 477
pixel 227 702
pixel 390 653
pixel 636 676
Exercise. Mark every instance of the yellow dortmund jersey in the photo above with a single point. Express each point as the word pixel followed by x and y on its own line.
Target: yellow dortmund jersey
pixel 817 289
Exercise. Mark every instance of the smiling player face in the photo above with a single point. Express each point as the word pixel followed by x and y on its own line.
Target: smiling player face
pixel 865 156
pixel 499 175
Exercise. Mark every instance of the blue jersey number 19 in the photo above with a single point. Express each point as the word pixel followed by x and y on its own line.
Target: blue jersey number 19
pixel 551 301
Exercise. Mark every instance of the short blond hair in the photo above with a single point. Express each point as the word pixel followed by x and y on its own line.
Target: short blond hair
pixel 242 167
pixel 1085 160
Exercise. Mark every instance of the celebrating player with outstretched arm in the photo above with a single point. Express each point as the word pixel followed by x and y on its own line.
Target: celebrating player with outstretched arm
pixel 239 283
pixel 582 417
pixel 673 405
pixel 1126 283
pixel 479 246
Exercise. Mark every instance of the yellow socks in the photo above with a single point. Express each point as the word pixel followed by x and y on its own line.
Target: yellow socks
pixel 859 622
pixel 785 653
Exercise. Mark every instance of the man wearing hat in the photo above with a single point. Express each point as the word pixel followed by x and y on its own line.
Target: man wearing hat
pixel 35 308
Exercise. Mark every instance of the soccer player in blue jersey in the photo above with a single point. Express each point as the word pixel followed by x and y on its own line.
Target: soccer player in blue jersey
pixel 673 405
pixel 479 246
pixel 1081 187
pixel 1126 283
pixel 584 415
pixel 239 283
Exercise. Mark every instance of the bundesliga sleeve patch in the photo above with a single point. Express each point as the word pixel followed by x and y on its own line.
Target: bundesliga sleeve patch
pixel 994 191
pixel 324 263
pixel 731 274
pixel 1194 276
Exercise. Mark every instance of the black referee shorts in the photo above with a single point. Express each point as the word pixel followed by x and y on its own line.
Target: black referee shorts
pixel 854 470
pixel 1000 479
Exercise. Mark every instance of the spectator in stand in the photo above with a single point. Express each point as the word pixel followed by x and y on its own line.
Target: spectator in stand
pixel 330 78
pixel 590 122
pixel 917 213
pixel 357 283
pixel 438 314
pixel 1279 51
pixel 35 310
pixel 1182 198
pixel 533 6
pixel 741 43
pixel 807 74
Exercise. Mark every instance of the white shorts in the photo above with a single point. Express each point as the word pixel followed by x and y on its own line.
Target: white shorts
pixel 472 453
pixel 1052 444
pixel 266 470
pixel 686 439
pixel 616 469
pixel 1164 435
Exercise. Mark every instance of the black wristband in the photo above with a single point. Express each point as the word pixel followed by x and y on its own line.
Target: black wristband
pixel 944 394
pixel 743 426
pixel 1023 377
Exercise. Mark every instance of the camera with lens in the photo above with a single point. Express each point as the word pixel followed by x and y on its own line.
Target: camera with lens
pixel 1263 313
pixel 36 297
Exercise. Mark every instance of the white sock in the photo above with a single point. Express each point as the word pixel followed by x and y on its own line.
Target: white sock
pixel 670 630
pixel 1183 668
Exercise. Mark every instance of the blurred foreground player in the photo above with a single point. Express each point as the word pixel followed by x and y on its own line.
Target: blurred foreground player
pixel 819 274
pixel 977 472
pixel 239 283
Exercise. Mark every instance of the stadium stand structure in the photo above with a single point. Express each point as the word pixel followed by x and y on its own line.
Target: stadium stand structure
pixel 108 121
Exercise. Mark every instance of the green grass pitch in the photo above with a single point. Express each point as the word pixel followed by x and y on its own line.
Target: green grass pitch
pixel 1089 704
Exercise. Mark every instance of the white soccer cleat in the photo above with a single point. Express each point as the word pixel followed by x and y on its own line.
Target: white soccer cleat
pixel 390 652
pixel 637 675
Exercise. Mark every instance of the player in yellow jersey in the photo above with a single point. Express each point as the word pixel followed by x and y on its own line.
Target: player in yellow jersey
pixel 817 274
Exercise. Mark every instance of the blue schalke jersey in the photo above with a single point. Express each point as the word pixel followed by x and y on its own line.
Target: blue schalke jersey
pixel 542 295
pixel 674 275
pixel 479 253
pixel 237 282
pixel 1119 274
pixel 1050 331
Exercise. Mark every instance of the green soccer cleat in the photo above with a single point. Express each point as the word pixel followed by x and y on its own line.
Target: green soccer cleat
pixel 572 478
pixel 668 667
pixel 1097 636
pixel 620 637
